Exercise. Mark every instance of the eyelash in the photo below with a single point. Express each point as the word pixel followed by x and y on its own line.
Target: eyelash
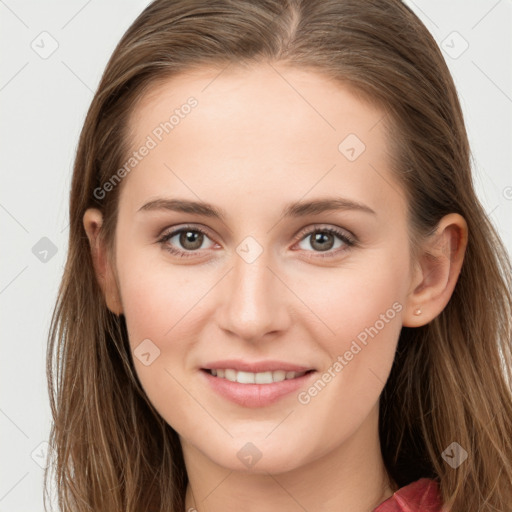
pixel 348 239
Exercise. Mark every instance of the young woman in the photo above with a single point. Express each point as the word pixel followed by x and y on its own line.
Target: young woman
pixel 281 292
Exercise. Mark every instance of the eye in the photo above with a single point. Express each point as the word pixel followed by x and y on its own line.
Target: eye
pixel 324 239
pixel 190 238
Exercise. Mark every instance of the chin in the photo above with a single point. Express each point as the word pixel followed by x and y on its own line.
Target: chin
pixel 256 455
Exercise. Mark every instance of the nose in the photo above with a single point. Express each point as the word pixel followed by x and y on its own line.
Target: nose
pixel 255 301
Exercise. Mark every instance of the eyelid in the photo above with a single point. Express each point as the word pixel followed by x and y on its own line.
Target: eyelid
pixel 299 236
pixel 174 230
pixel 343 233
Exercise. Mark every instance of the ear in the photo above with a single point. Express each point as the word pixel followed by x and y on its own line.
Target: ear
pixel 93 221
pixel 438 268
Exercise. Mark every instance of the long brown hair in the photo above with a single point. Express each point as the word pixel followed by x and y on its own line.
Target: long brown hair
pixel 451 379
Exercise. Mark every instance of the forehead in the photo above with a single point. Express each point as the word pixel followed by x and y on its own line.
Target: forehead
pixel 265 128
pixel 276 96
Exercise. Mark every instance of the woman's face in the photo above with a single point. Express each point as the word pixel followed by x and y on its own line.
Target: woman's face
pixel 296 258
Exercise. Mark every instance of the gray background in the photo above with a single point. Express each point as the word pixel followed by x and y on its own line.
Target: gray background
pixel 44 98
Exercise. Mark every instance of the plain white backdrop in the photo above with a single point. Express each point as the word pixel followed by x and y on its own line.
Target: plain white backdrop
pixel 53 54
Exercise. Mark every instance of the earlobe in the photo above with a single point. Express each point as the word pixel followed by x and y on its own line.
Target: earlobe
pixel 439 265
pixel 93 221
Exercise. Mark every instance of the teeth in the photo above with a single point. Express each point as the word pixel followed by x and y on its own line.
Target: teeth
pixel 280 375
pixel 230 375
pixel 245 377
pixel 264 378
pixel 255 378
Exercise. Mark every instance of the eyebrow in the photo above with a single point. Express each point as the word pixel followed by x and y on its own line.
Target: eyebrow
pixel 296 209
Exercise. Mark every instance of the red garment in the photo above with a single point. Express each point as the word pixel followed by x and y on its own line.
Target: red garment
pixel 420 496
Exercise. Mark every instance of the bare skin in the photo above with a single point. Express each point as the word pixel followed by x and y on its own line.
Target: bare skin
pixel 260 139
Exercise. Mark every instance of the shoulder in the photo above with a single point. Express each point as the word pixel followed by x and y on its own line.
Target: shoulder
pixel 420 496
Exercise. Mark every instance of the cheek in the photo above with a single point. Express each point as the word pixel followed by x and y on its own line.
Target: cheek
pixel 158 298
pixel 152 306
pixel 159 312
pixel 361 313
pixel 166 307
pixel 349 300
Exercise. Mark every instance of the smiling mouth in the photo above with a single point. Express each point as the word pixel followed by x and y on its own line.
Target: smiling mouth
pixel 243 377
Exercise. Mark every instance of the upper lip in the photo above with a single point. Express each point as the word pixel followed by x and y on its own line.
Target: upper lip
pixel 255 366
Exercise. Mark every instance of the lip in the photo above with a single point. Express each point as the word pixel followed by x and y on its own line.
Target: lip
pixel 255 367
pixel 256 395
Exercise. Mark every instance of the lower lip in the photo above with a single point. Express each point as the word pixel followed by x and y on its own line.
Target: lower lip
pixel 255 395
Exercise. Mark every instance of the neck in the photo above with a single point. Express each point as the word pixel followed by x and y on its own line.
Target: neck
pixel 351 477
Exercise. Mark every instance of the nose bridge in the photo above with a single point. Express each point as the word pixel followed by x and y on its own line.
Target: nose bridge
pixel 253 303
